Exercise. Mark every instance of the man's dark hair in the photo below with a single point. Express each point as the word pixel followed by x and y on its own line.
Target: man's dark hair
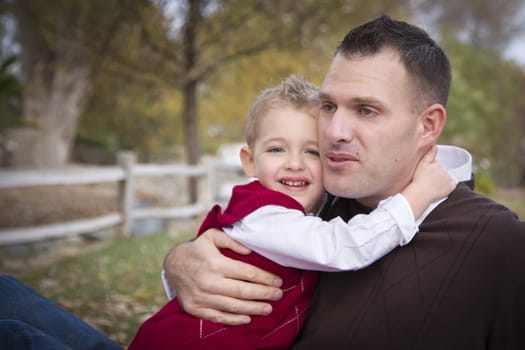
pixel 423 59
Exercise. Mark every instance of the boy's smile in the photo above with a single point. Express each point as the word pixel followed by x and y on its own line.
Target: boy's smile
pixel 285 156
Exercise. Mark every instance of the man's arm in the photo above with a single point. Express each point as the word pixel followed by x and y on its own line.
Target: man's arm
pixel 213 287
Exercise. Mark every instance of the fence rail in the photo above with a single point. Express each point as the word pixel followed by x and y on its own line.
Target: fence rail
pixel 124 174
pixel 37 233
pixel 49 177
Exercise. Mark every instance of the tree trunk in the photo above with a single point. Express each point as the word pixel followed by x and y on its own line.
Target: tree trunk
pixel 190 115
pixel 56 87
pixel 191 134
pixel 53 107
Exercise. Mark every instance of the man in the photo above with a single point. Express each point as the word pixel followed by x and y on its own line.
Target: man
pixel 459 285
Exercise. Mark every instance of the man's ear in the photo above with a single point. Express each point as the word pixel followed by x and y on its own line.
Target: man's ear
pixel 247 161
pixel 431 123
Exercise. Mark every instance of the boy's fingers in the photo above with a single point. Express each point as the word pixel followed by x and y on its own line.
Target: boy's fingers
pixel 430 155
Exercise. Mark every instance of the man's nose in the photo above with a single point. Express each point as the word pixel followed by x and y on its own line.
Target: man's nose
pixel 338 129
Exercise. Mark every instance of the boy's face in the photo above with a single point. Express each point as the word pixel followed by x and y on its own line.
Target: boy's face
pixel 285 156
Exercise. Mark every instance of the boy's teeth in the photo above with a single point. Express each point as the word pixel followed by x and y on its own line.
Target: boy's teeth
pixel 294 183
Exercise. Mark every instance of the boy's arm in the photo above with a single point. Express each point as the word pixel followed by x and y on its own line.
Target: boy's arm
pixel 290 238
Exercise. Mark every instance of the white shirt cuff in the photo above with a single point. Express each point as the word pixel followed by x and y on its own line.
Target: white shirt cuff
pixel 403 215
pixel 170 293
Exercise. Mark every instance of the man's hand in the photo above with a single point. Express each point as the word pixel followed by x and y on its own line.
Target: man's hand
pixel 214 287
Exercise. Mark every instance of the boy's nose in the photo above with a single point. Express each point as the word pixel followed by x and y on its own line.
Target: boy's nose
pixel 295 162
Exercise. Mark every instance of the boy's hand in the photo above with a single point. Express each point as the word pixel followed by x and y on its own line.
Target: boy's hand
pixel 214 287
pixel 430 182
pixel 432 178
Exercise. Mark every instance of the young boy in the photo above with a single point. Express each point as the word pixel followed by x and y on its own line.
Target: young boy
pixel 283 155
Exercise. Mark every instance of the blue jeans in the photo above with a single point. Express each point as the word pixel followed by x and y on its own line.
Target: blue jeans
pixel 30 321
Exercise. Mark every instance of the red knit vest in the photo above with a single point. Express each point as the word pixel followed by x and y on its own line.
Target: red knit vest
pixel 172 328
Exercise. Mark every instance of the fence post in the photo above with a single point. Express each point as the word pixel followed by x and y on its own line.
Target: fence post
pixel 126 160
pixel 210 179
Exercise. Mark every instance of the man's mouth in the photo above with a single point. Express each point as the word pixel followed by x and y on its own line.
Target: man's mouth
pixel 339 157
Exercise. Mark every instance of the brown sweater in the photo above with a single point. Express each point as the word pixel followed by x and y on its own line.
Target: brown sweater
pixel 460 284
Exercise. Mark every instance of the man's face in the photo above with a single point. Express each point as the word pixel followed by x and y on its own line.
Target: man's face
pixel 368 128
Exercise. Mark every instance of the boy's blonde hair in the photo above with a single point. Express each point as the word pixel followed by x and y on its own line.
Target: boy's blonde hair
pixel 295 91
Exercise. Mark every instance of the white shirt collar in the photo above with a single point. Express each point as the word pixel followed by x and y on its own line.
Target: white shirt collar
pixel 458 163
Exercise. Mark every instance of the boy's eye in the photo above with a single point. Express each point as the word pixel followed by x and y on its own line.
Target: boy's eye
pixel 328 107
pixel 275 149
pixel 313 152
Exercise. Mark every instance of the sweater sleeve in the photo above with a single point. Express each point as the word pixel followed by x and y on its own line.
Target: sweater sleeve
pixel 292 239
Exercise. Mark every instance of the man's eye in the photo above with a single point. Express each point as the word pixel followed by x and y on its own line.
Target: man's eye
pixel 367 112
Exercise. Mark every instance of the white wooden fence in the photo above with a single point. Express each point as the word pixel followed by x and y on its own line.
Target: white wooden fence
pixel 126 171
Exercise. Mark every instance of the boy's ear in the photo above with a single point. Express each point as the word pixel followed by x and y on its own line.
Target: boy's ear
pixel 247 161
pixel 431 123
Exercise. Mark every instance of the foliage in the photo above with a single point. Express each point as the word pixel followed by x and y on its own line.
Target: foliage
pixel 475 21
pixel 75 31
pixel 133 117
pixel 512 199
pixel 484 184
pixel 113 288
pixel 227 97
pixel 229 30
pixel 485 111
pixel 132 107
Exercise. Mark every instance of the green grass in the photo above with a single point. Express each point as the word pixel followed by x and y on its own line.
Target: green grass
pixel 113 288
